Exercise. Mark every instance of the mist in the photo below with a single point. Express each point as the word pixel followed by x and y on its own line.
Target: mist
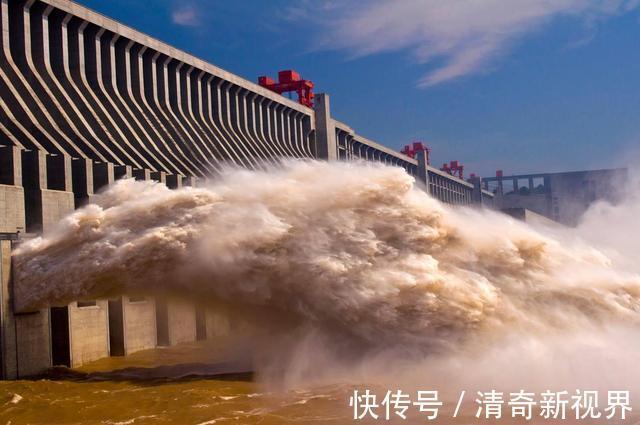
pixel 355 274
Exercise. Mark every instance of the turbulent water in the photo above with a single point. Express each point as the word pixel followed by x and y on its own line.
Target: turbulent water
pixel 355 248
pixel 358 274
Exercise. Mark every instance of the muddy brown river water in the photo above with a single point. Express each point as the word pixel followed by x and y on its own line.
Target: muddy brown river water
pixel 166 385
pixel 182 385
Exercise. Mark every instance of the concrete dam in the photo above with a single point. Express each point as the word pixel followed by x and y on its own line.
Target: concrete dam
pixel 85 101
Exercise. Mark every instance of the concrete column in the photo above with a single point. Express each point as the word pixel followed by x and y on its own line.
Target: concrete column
pixel 48 189
pixel 59 175
pixel 190 181
pixel 326 145
pixel 24 338
pixel 10 166
pixel 421 157
pixel 159 176
pixel 34 177
pixel 216 324
pixel 88 332
pixel 139 321
pixel 103 175
pixel 142 174
pixel 515 186
pixel 531 185
pixel 175 321
pixel 34 166
pixel 12 215
pixel 82 176
pixel 203 182
pixel 182 322
pixel 476 195
pixel 174 181
pixel 8 357
pixel 122 171
pixel 33 342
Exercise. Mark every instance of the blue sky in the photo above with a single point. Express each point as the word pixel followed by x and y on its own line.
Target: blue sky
pixel 520 85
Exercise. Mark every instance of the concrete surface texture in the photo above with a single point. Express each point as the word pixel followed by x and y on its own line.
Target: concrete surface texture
pixel 89 331
pixel 182 321
pixel 139 324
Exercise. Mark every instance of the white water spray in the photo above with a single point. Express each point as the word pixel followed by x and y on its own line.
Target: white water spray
pixel 353 250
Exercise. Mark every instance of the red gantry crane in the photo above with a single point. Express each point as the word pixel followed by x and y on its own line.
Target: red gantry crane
pixel 290 81
pixel 454 168
pixel 414 148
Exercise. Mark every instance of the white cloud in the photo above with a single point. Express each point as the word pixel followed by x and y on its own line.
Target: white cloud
pixel 186 16
pixel 455 37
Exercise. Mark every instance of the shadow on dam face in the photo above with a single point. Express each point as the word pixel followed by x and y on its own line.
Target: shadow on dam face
pixel 60 347
pixel 116 328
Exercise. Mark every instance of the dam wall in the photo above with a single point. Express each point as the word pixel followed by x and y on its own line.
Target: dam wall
pixel 86 94
pixel 86 100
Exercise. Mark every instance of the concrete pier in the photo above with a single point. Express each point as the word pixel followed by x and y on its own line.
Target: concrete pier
pixel 132 325
pixel 47 187
pixel 25 349
pixel 33 352
pixel 175 321
pixel 82 180
pixel 216 324
pixel 88 331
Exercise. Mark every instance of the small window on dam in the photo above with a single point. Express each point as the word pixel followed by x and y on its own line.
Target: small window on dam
pixel 82 304
pixel 137 299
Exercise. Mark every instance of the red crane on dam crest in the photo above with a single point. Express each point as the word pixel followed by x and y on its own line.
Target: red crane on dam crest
pixel 290 81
